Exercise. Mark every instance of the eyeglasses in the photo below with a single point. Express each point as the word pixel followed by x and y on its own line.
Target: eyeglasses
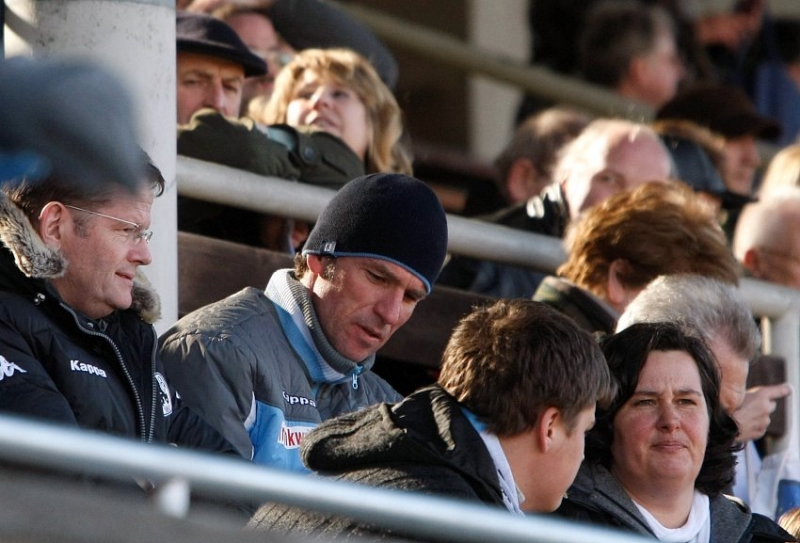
pixel 136 236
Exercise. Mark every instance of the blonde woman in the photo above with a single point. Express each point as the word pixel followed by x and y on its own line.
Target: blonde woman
pixel 783 170
pixel 338 91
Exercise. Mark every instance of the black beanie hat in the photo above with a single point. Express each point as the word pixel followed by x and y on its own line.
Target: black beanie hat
pixel 389 216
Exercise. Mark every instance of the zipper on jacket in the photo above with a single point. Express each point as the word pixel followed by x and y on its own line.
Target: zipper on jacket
pixel 154 394
pixel 356 372
pixel 143 432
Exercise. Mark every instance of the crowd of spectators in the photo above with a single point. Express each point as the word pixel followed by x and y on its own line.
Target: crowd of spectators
pixel 642 328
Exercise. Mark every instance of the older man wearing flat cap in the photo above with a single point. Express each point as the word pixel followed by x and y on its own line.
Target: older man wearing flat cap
pixel 212 64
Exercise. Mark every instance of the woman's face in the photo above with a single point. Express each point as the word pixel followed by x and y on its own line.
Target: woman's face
pixel 334 108
pixel 660 433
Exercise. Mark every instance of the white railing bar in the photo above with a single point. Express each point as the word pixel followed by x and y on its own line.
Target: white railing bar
pixel 470 237
pixel 60 447
pixel 436 46
pixel 768 299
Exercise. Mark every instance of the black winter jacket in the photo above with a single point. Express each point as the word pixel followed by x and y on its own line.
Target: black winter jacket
pixel 59 365
pixel 545 214
pixel 424 444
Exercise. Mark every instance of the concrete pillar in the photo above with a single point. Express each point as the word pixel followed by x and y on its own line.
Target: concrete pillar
pixel 498 27
pixel 135 39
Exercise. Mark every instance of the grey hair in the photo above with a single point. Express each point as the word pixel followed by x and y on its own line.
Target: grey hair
pixel 715 308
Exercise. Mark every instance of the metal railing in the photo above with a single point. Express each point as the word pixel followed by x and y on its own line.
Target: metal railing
pixel 64 448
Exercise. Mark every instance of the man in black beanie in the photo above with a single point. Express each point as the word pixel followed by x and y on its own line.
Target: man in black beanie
pixel 265 368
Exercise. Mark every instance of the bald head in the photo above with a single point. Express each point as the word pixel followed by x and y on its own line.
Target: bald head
pixel 608 157
pixel 767 237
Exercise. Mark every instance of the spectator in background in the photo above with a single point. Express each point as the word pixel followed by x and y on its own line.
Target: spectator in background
pixel 499 428
pixel 722 317
pixel 276 29
pixel 631 48
pixel 783 170
pixel 727 111
pixel 252 23
pixel 525 167
pixel 338 91
pixel 609 156
pixel 212 64
pixel 621 245
pixel 265 367
pixel 314 24
pixel 767 238
pixel 699 157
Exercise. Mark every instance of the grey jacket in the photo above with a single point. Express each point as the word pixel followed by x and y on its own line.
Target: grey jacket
pixel 597 497
pixel 257 367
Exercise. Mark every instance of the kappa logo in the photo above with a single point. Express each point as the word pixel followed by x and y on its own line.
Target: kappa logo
pixel 298 400
pixel 291 436
pixel 7 369
pixel 77 365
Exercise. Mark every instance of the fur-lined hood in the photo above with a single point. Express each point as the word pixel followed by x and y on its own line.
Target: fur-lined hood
pixel 36 260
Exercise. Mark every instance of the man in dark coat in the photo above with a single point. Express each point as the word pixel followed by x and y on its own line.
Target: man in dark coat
pixel 77 344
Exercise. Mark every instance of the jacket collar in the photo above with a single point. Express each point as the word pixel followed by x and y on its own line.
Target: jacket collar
pixel 35 260
pixel 595 487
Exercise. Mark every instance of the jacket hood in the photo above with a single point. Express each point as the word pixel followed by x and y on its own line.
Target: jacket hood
pixel 420 430
pixel 35 260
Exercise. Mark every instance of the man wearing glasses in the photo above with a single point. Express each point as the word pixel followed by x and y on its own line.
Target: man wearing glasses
pixel 76 341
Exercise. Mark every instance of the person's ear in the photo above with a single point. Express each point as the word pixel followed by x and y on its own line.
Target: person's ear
pixel 315 264
pixel 547 428
pixel 637 71
pixel 618 296
pixel 521 180
pixel 752 261
pixel 53 220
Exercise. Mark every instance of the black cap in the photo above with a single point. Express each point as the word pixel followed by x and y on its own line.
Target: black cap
pixel 389 216
pixel 724 109
pixel 205 35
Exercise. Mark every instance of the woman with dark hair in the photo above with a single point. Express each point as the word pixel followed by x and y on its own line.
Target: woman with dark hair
pixel 660 456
